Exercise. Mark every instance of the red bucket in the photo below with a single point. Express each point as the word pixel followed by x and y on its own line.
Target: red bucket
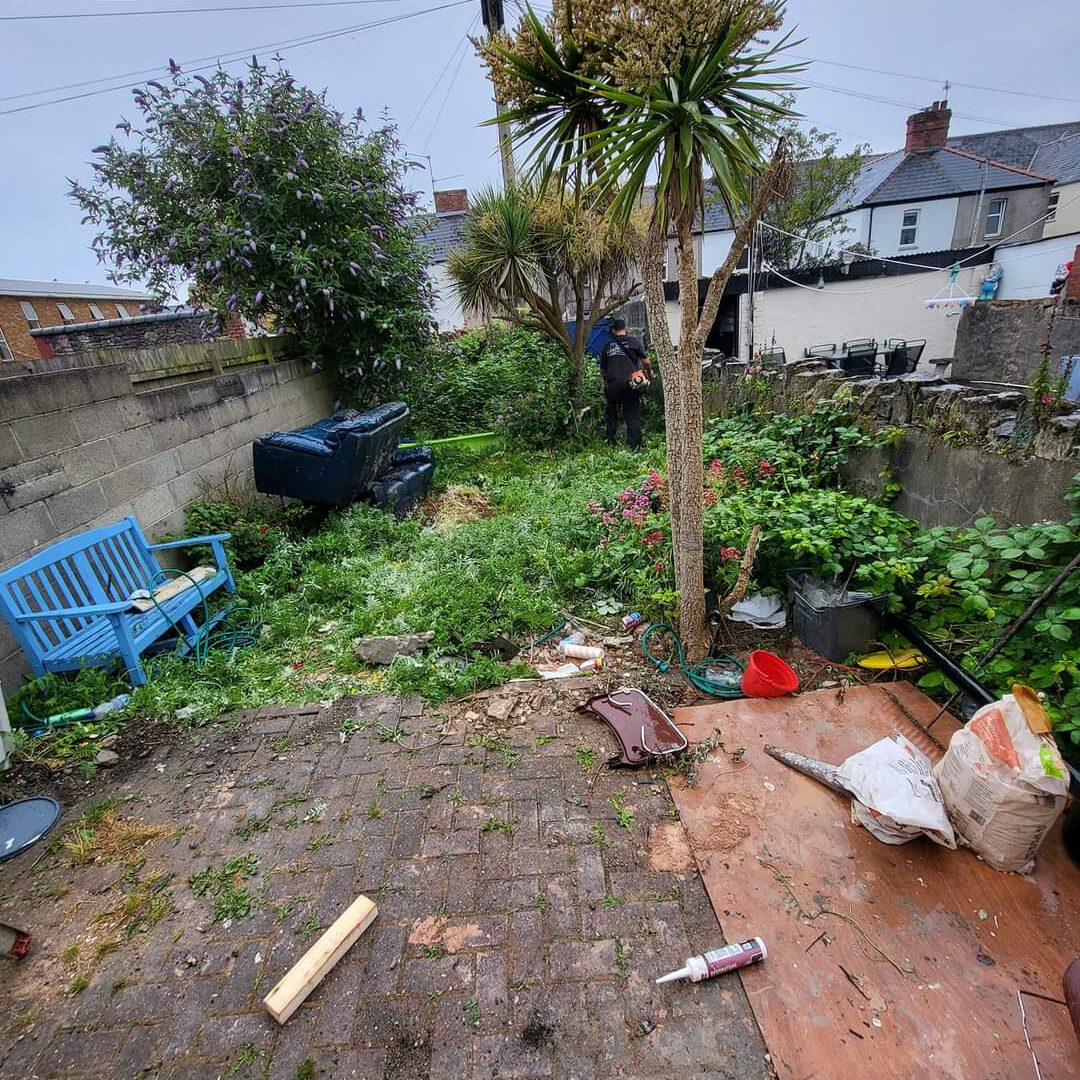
pixel 766 675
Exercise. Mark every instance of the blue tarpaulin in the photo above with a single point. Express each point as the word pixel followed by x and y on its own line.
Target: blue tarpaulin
pixel 598 336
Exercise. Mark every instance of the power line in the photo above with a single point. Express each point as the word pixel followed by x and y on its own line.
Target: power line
pixel 939 82
pixel 439 78
pixel 446 96
pixel 893 101
pixel 239 54
pixel 193 10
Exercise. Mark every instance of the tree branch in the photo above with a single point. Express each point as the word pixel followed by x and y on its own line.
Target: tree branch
pixel 775 181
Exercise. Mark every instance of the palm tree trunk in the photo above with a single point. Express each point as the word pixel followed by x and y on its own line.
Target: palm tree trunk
pixel 686 471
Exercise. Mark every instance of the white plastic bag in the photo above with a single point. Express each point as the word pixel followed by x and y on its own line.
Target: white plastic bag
pixel 1003 785
pixel 896 795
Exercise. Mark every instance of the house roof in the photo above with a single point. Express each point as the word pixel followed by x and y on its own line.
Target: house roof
pixel 131 320
pixel 443 235
pixel 1013 146
pixel 946 171
pixel 1060 159
pixel 66 290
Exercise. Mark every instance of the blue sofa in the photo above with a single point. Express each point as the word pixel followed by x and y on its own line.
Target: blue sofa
pixel 348 456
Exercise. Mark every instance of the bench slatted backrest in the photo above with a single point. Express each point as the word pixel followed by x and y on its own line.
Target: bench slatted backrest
pixel 96 567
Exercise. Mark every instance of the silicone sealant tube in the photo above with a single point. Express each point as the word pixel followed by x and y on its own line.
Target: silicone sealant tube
pixel 720 961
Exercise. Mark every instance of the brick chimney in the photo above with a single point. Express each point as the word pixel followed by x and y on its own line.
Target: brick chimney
pixel 455 201
pixel 1072 283
pixel 929 128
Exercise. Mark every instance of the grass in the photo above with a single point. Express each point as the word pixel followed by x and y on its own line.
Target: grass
pixel 365 573
pixel 317 843
pixel 305 1070
pixel 623 814
pixel 499 825
pixel 471 1008
pixel 586 757
pixel 102 836
pixel 228 899
pixel 434 952
pixel 597 834
pixel 310 927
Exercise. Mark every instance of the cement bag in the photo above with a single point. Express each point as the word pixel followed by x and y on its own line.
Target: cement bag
pixel 896 795
pixel 1003 785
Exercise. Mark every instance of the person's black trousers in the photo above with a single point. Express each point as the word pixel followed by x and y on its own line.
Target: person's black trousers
pixel 629 403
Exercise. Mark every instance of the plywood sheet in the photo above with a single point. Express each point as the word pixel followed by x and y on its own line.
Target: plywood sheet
pixel 775 847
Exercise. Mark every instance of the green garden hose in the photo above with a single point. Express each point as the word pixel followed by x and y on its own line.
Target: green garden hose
pixel 205 640
pixel 726 688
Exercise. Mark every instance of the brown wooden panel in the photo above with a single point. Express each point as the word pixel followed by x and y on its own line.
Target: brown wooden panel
pixel 774 847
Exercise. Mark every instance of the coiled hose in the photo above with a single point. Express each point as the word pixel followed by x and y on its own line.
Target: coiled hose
pixel 728 688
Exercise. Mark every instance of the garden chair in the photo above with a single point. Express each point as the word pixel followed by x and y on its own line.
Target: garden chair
pixel 859 361
pixel 773 359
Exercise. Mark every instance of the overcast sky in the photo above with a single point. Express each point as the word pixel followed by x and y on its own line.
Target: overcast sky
pixel 1000 44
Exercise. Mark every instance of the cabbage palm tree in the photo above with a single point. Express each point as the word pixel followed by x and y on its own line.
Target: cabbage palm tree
pixel 685 93
pixel 538 258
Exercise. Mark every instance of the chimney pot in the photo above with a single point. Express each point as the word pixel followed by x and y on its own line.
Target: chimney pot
pixel 454 201
pixel 928 128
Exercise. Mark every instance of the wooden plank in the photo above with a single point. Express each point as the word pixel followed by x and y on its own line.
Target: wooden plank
pixel 774 848
pixel 313 966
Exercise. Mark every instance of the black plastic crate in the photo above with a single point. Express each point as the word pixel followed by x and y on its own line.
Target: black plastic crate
pixel 838 630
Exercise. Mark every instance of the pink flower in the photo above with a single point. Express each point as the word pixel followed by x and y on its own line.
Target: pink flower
pixel 710 498
pixel 653 538
pixel 658 566
pixel 766 468
pixel 728 553
pixel 716 468
pixel 740 475
pixel 1048 399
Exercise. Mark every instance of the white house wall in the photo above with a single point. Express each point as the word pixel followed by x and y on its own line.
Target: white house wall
pixel 1067 218
pixel 714 250
pixel 447 311
pixel 881 308
pixel 1028 269
pixel 937 221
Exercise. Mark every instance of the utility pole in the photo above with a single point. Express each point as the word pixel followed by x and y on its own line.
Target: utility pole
pixel 492 13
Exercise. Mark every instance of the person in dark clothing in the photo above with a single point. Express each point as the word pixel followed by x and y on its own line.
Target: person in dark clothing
pixel 619 359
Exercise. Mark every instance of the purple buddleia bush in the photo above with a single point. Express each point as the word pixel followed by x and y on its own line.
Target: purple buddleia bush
pixel 273 206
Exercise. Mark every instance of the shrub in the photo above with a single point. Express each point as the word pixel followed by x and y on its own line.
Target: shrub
pixel 510 380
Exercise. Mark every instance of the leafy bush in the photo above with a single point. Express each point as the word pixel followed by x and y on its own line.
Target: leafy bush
pixel 510 380
pixel 260 194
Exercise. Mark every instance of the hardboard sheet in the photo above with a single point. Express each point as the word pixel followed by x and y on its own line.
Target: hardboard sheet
pixel 775 848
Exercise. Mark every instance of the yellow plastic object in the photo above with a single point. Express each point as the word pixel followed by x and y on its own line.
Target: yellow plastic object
pixel 899 659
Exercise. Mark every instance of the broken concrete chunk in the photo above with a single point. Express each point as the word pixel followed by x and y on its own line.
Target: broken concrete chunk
pixel 500 708
pixel 383 650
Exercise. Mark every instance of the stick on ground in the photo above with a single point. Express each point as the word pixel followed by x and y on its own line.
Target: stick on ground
pixel 312 967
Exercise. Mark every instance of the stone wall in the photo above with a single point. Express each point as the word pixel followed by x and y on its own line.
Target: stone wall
pixel 85 445
pixel 1000 341
pixel 959 453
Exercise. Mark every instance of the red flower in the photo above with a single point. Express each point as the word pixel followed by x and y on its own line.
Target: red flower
pixel 766 468
pixel 653 538
pixel 716 468
pixel 728 553
pixel 710 498
pixel 658 566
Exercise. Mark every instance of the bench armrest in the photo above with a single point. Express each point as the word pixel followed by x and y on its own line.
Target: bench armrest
pixel 75 612
pixel 189 541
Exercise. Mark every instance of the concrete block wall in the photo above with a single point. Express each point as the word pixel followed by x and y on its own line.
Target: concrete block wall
pixel 83 447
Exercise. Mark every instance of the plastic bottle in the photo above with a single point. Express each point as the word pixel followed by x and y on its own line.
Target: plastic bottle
pixel 115 705
pixel 592 665
pixel 720 961
pixel 576 638
pixel 581 652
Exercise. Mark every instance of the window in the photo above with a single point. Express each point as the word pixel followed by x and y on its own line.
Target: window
pixel 65 312
pixel 1051 204
pixel 995 216
pixel 96 312
pixel 122 311
pixel 30 313
pixel 909 228
pixel 5 351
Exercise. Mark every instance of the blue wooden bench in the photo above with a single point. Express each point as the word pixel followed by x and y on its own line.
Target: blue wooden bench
pixel 69 606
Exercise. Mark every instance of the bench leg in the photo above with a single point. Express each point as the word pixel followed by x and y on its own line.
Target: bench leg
pixel 128 654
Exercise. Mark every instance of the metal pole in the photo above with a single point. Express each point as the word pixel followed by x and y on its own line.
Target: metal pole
pixel 492 14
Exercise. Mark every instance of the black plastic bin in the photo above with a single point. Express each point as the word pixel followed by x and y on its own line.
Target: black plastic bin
pixel 838 630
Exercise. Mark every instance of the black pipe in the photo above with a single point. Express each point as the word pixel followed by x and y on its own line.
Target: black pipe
pixel 952 670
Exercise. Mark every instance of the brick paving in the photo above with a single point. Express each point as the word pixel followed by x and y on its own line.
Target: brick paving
pixel 523 910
